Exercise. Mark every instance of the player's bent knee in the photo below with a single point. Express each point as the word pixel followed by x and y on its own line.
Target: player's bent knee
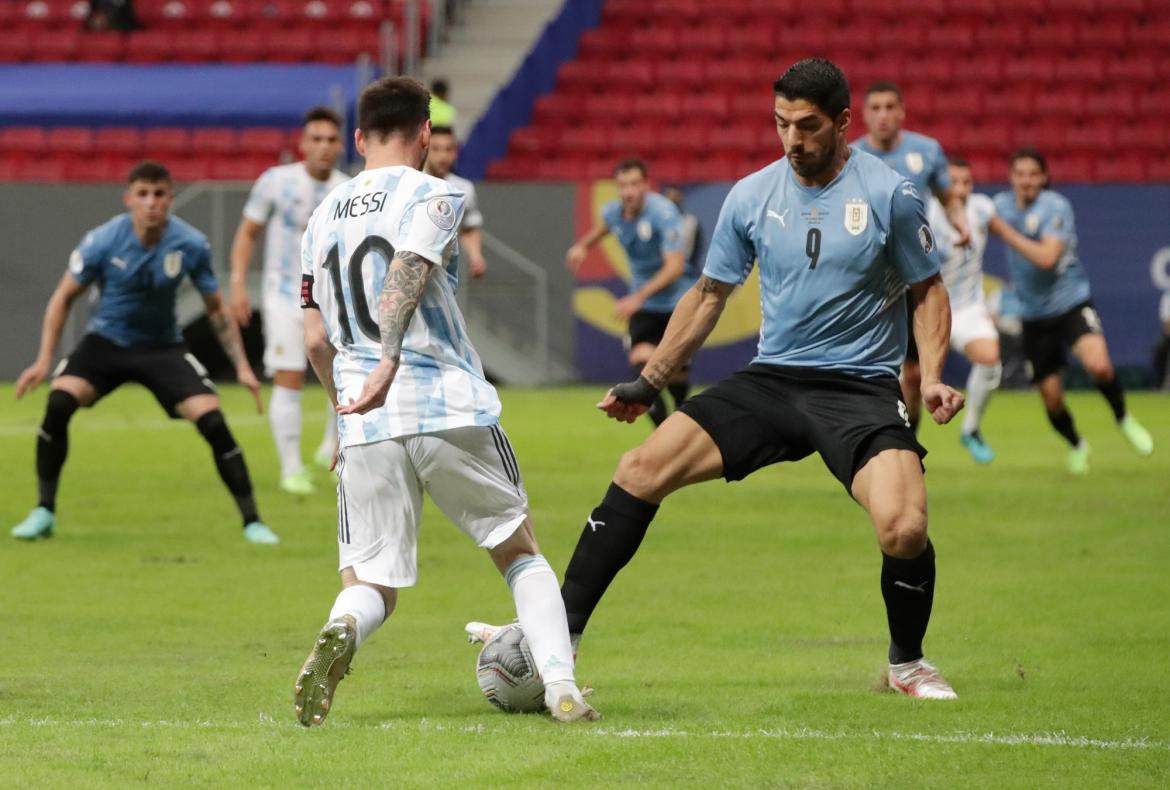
pixel 903 534
pixel 197 407
pixel 639 475
pixel 60 407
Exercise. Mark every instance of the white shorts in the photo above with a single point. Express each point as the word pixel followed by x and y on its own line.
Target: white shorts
pixel 470 473
pixel 971 322
pixel 284 336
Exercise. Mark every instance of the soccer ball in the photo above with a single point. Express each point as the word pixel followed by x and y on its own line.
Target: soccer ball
pixel 507 674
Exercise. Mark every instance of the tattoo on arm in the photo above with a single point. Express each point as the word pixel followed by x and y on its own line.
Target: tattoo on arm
pixel 406 279
pixel 706 285
pixel 658 372
pixel 228 336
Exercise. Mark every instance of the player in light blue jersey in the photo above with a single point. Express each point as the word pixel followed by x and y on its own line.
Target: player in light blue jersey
pixel 920 159
pixel 1052 285
pixel 281 200
pixel 838 238
pixel 380 266
pixel 138 260
pixel 649 228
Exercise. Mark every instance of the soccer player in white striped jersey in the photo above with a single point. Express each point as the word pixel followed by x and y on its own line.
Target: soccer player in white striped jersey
pixel 380 266
pixel 973 332
pixel 282 199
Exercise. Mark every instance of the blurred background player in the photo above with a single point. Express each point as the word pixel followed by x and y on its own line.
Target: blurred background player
pixel 692 233
pixel 649 228
pixel 138 259
pixel 973 332
pixel 391 234
pixel 442 112
pixel 282 199
pixel 441 158
pixel 1038 229
pixel 921 160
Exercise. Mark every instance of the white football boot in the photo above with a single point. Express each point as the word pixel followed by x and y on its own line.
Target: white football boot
pixel 919 679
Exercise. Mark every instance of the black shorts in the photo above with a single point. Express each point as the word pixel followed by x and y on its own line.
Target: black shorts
pixel 647 327
pixel 171 373
pixel 764 414
pixel 1046 339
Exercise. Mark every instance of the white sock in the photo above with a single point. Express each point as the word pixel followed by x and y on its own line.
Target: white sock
pixel 365 604
pixel 984 379
pixel 284 416
pixel 329 440
pixel 542 617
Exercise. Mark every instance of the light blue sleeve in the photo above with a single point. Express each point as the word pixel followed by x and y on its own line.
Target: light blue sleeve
pixel 668 221
pixel 730 255
pixel 1058 221
pixel 85 262
pixel 940 177
pixel 202 273
pixel 912 244
pixel 611 213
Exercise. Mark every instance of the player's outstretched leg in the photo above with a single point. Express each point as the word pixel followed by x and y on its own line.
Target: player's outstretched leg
pixel 357 612
pixel 229 462
pixel 981 382
pixel 52 449
pixel 890 487
pixel 1133 431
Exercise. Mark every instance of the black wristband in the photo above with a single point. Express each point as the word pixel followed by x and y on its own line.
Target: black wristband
pixel 638 391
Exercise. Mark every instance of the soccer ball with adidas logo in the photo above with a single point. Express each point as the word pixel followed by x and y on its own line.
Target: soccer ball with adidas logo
pixel 507 673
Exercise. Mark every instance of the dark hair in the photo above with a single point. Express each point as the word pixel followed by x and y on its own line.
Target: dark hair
pixel 442 130
pixel 632 163
pixel 1030 152
pixel 818 81
pixel 393 105
pixel 958 161
pixel 148 170
pixel 322 113
pixel 882 86
pixel 439 87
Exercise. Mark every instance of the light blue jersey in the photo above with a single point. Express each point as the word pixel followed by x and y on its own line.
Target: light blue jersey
pixel 1044 293
pixel 138 285
pixel 918 158
pixel 657 229
pixel 834 262
pixel 351 238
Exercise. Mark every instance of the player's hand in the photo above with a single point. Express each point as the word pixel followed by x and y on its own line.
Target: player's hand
pixel 627 402
pixel 996 225
pixel 240 306
pixel 374 391
pixel 941 401
pixel 477 266
pixel 964 233
pixel 245 376
pixel 31 377
pixel 574 258
pixel 626 306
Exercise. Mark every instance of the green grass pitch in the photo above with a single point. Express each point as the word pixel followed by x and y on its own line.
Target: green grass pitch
pixel 148 645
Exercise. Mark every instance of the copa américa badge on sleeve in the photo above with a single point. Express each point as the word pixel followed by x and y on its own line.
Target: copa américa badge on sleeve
pixel 441 212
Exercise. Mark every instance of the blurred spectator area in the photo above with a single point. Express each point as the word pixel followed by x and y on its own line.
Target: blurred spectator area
pixel 687 84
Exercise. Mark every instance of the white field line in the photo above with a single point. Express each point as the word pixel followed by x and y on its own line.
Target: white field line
pixel 799 734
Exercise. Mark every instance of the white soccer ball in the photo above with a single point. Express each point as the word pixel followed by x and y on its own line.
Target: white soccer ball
pixel 507 674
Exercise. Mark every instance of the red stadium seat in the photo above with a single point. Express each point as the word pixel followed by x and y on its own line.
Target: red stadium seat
pixel 214 140
pixel 102 47
pixel 1133 69
pixel 59 46
pixel 169 14
pixel 1072 167
pixel 654 41
pixel 668 170
pixel 660 105
pixel 239 168
pixel 609 107
pixel 585 140
pixel 70 140
pixel 240 46
pixel 1060 36
pixel 1094 136
pixel 150 46
pixel 41 170
pixel 578 77
pixel 705 39
pixel 534 139
pixel 1111 103
pixel 23 139
pixel 362 10
pixel 705 106
pixel 97 168
pixel 632 74
pixel 163 141
pixel 509 169
pixel 1047 134
pixel 683 75
pixel 1000 35
pixel 751 40
pixel 603 44
pixel 48 13
pixel 966 101
pixel 345 44
pixel 1109 34
pixel 190 168
pixel 1158 168
pixel 639 141
pixel 125 140
pixel 16 45
pixel 556 108
pixel 1150 134
pixel 739 139
pixel 1155 102
pixel 294 45
pixel 1153 33
pixel 1060 102
pixel 988 137
pixel 687 138
pixel 1081 68
pixel 1032 68
pixel 1127 168
pixel 196 46
pixel 263 141
pixel 1013 100
pixel 711 169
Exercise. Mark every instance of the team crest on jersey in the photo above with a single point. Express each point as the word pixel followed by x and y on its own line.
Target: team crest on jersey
pixel 173 264
pixel 441 212
pixel 645 230
pixel 1032 223
pixel 914 162
pixel 926 239
pixel 856 216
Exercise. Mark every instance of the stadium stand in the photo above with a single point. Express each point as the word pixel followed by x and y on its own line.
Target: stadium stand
pixel 1085 79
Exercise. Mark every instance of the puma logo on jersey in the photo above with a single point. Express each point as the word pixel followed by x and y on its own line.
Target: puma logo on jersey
pixel 920 588
pixel 593 525
pixel 779 217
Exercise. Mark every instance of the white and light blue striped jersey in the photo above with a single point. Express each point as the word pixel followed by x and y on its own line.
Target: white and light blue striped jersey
pixel 347 248
pixel 834 262
pixel 283 198
pixel 962 267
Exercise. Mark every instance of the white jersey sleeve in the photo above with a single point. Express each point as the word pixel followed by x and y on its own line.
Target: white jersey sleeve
pixel 472 216
pixel 962 267
pixel 346 251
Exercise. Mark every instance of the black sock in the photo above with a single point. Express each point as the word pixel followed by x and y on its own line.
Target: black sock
pixel 679 392
pixel 229 460
pixel 1115 395
pixel 53 446
pixel 1062 421
pixel 657 411
pixel 611 537
pixel 908 589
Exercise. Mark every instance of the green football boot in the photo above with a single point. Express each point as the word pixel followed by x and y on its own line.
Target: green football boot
pixel 37 524
pixel 1078 459
pixel 327 664
pixel 1137 436
pixel 298 483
